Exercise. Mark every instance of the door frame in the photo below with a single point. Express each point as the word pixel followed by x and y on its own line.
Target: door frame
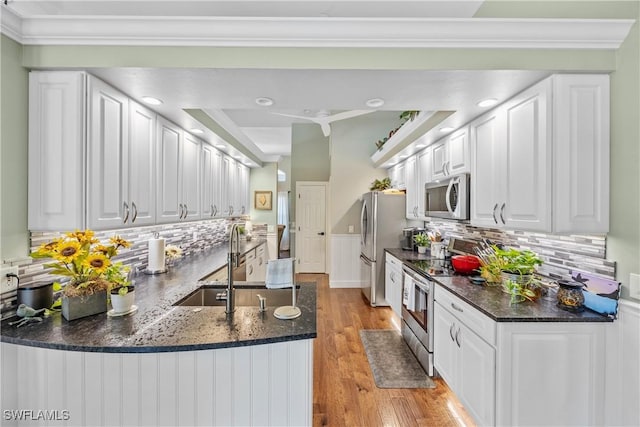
pixel 327 233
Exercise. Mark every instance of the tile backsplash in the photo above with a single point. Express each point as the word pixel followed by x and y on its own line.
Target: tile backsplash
pixel 560 253
pixel 191 237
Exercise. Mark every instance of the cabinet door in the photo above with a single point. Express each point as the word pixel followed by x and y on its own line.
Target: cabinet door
pixel 107 151
pixel 242 190
pixel 440 159
pixel 458 159
pixel 487 168
pixel 445 351
pixel 141 165
pixel 411 180
pixel 208 181
pixel 425 163
pixel 476 378
pixel 168 168
pixel 527 199
pixel 581 153
pixel 261 263
pixel 56 137
pixel 225 184
pixel 190 171
pixel 219 182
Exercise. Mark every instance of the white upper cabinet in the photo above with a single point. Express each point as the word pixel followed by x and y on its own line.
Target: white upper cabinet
pixel 424 165
pixel 141 164
pixel 56 150
pixel 178 174
pixel 411 183
pixel 581 153
pixel 98 159
pixel 169 197
pixel 190 171
pixel 397 176
pixel 540 161
pixel 121 160
pixel 511 158
pixel 209 182
pixel 107 152
pixel 451 154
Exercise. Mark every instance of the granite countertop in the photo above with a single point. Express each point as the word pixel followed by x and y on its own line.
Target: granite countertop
pixel 158 326
pixel 496 304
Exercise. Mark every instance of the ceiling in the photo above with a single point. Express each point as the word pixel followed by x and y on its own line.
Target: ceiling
pixel 228 96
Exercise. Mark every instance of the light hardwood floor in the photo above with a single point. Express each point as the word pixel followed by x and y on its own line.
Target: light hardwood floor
pixel 344 392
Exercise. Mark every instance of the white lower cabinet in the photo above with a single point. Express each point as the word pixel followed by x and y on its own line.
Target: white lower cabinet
pixel 393 283
pixel 520 373
pixel 465 361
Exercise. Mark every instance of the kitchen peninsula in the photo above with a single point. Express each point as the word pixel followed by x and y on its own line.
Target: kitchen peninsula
pixel 167 364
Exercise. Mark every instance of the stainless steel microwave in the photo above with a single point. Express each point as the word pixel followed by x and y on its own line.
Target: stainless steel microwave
pixel 449 197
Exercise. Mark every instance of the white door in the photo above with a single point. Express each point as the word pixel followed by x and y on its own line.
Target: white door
pixel 458 152
pixel 411 182
pixel 208 182
pixel 168 169
pixel 311 239
pixel 190 171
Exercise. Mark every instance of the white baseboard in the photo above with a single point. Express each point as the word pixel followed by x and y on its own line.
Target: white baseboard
pixel 344 284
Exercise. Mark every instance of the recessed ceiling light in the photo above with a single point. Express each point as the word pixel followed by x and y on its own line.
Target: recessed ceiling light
pixel 196 130
pixel 375 102
pixel 264 101
pixel 446 129
pixel 403 156
pixel 487 102
pixel 419 146
pixel 151 100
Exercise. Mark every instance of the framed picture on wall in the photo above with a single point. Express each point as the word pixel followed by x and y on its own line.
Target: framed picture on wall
pixel 263 200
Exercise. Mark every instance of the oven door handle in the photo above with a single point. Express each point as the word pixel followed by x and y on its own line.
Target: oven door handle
pixel 419 281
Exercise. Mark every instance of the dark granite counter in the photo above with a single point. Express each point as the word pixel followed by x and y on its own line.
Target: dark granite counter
pixel 496 304
pixel 158 326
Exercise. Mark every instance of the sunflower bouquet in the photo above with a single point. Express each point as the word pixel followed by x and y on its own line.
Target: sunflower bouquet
pixel 88 263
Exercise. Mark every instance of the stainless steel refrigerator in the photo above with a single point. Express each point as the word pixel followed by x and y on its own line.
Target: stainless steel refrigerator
pixel 382 219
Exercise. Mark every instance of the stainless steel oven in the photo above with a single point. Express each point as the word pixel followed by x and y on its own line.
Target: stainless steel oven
pixel 417 317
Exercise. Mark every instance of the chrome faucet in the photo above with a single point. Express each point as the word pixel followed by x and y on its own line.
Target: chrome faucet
pixel 233 260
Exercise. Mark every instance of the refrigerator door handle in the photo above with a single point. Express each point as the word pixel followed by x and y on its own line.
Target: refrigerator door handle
pixel 363 223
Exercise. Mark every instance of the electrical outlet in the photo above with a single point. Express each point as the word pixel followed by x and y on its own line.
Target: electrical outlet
pixel 8 284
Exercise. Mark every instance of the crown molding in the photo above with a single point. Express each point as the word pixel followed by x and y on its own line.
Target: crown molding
pixel 318 32
pixel 11 24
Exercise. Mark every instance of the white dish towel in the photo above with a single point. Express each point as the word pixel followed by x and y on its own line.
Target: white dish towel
pixel 279 273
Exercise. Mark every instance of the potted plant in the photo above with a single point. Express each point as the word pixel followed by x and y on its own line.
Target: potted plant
pixel 422 240
pixel 88 265
pixel 514 269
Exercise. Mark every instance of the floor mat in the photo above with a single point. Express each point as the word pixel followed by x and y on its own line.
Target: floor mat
pixel 392 363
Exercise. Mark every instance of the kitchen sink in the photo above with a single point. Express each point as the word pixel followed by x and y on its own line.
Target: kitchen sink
pixel 246 297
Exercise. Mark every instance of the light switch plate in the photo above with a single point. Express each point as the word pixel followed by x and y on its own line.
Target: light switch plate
pixel 634 285
pixel 8 284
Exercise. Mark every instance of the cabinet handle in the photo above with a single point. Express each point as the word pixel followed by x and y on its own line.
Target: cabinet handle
pixel 392 277
pixel 186 211
pixel 251 269
pixel 502 213
pixel 230 210
pixel 446 168
pixel 135 212
pixel 495 219
pixel 260 261
pixel 215 210
pixel 458 337
pixel 126 212
pixel 211 209
pixel 451 332
pixel 242 211
pixel 456 308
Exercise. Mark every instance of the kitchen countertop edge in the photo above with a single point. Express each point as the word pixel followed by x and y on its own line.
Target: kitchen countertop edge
pixel 494 303
pixel 159 326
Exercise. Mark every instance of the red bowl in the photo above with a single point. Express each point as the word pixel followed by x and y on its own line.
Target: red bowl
pixel 465 264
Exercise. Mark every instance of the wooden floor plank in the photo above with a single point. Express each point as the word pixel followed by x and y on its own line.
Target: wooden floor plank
pixel 344 392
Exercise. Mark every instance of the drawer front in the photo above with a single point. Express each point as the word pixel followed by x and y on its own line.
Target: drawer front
pixel 250 256
pixel 472 318
pixel 261 249
pixel 393 260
